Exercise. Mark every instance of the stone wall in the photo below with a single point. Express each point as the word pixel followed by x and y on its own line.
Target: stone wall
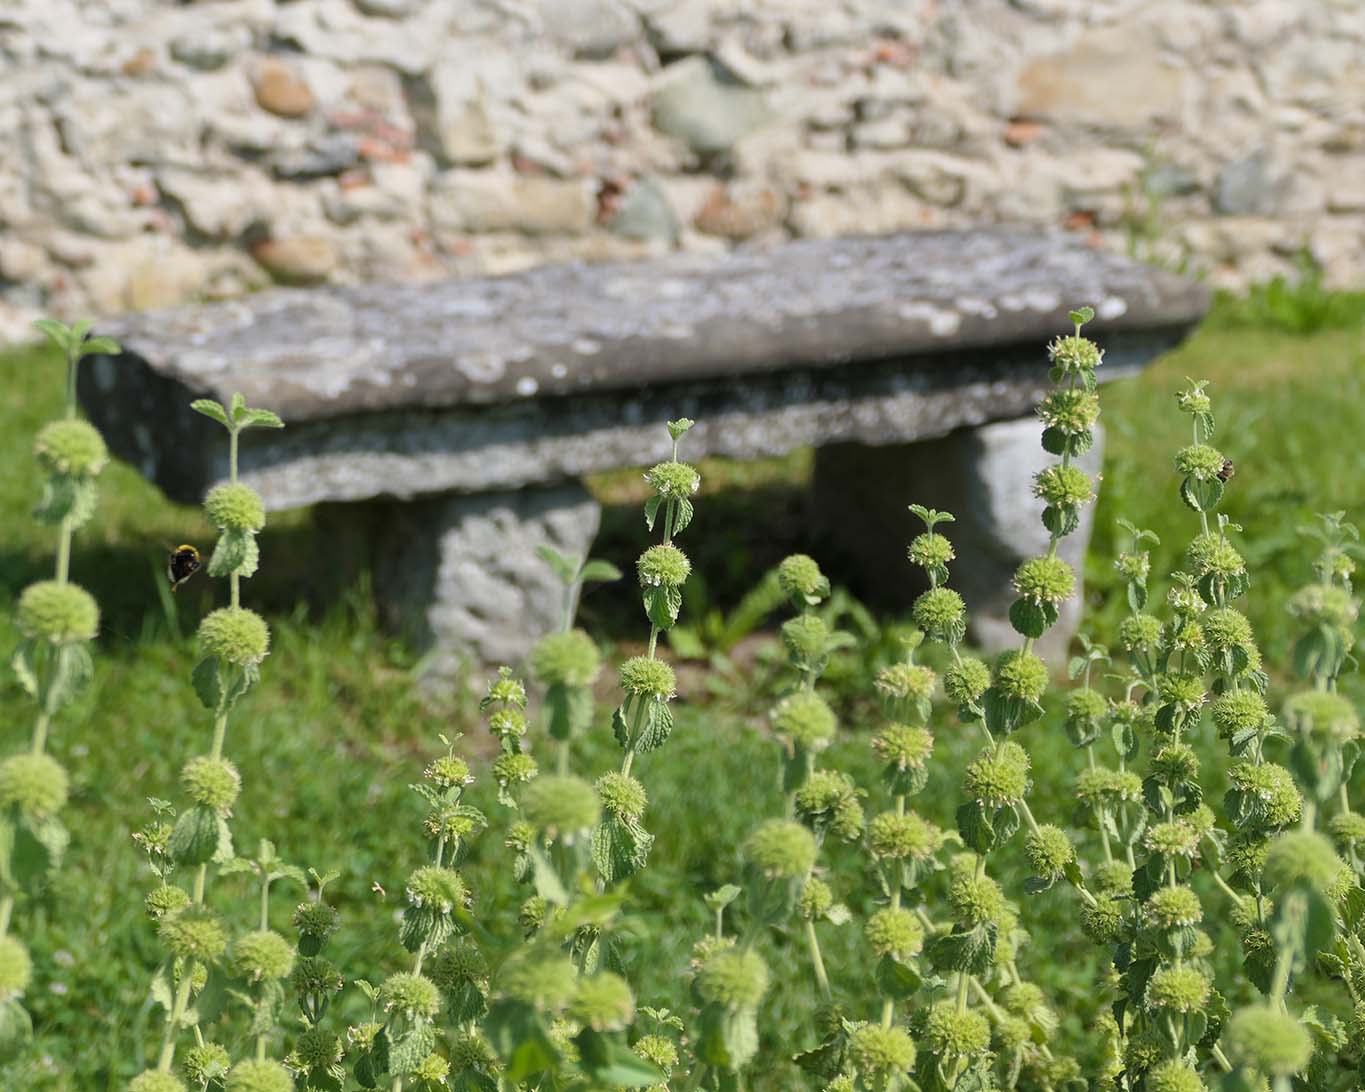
pixel 158 151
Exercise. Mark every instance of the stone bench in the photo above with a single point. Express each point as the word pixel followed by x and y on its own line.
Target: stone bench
pixel 455 420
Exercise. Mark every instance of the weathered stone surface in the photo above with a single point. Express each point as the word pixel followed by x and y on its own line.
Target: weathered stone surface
pixel 301 260
pixel 705 104
pixel 280 90
pixel 505 201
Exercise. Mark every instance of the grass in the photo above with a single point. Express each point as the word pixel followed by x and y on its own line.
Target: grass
pixel 329 742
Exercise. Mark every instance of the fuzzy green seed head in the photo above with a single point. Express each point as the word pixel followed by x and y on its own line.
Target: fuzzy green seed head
pixel 213 782
pixel 1074 355
pixel 673 479
pixel 318 920
pixel 659 1051
pixel 63 614
pixel 1064 486
pixel 1045 580
pixel 1301 857
pixel 514 769
pixel 902 682
pixel 16 968
pixel 431 1072
pixel 1071 412
pixel 235 635
pixel 806 637
pixel 904 746
pixel 1085 704
pixel 1113 878
pixel 563 804
pixel 253 1076
pixel 1173 1075
pixel 663 566
pixel 1212 553
pixel 1185 691
pixel 458 964
pixel 622 796
pixel 950 1033
pixel 71 447
pixel 781 849
pixel 647 677
pixel 882 1055
pixel 570 659
pixel 603 1002
pixel 1139 633
pixel 164 899
pixel 155 1081
pixel 1226 629
pixel 1103 922
pixel 1347 829
pixel 35 784
pixel 1175 762
pixel 799 577
pixel 1203 462
pixel 1170 840
pixel 470 1050
pixel 733 978
pixel 505 690
pixel 235 507
pixel 207 1062
pixel 1267 1040
pixel 1022 675
pixel 1101 785
pixel 1194 399
pixel 816 899
pixel 824 792
pixel 1274 786
pixel 977 900
pixel 316 976
pixel 317 1048
pixel 532 913
pixel 1238 711
pixel 520 835
pixel 508 723
pixel 1323 714
pixel 1324 604
pixel 965 682
pixel 898 837
pixel 1246 855
pixel 894 932
pixel 261 956
pixel 806 719
pixel 194 932
pixel 1179 989
pixel 448 772
pixel 1172 907
pixel 930 551
pixel 998 776
pixel 439 889
pixel 410 995
pixel 1134 567
pixel 939 612
pixel 1049 851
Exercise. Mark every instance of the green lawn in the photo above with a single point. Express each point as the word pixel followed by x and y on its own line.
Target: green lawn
pixel 335 733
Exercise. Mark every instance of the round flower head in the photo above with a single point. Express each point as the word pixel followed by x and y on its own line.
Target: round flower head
pixel 1212 553
pixel 508 723
pixel 514 769
pixel 799 577
pixel 563 804
pixel 1172 907
pixel 816 898
pixel 1134 567
pixel 317 1048
pixel 1226 628
pixel 506 691
pixel 1184 691
pixel 966 681
pixel 155 1081
pixel 673 479
pixel 1194 399
pixel 1324 604
pixel 1301 857
pixel 254 1076
pixel 235 635
pixel 806 637
pixel 431 1071
pixel 61 613
pixel 603 1002
pixel 1101 785
pixel 894 932
pixel 162 900
pixel 531 914
pixel 1045 580
pixel 1085 705
pixel 622 796
pixel 902 682
pixel 213 782
pixel 1070 411
pixel 882 1055
pixel 458 964
pixel 235 507
pixel 411 995
pixel 261 956
pixel 1103 922
pixel 71 447
pixel 1347 829
pixel 998 776
pixel 34 783
pixel 1113 878
pixel 733 978
pixel 1173 1075
pixel 194 932
pixel 318 920
pixel 658 1050
pixel 663 566
pixel 1049 851
pixel 1239 711
pixel 903 746
pixel 1202 462
pixel 645 676
pixel 897 837
pixel 930 551
pixel 1022 675
pixel 315 975
pixel 470 1050
pixel 1173 839
pixel 781 849
pixel 1180 989
pixel 1273 786
pixel 439 889
pixel 1267 1040
pixel 448 771
pixel 806 719
pixel 1064 486
pixel 956 1034
pixel 569 658
pixel 1074 354
pixel 206 1062
pixel 16 968
pixel 977 900
pixel 940 613
pixel 1175 762
pixel 1324 714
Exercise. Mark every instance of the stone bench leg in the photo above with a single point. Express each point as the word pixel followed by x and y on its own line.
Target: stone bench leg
pixel 459 577
pixel 984 476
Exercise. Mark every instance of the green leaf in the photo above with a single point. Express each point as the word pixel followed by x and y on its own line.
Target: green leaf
pixel 56 332
pixel 969 950
pixel 259 418
pixel 1028 618
pixel 209 408
pixel 568 710
pixel 678 427
pixel 238 406
pixel 652 510
pixel 547 882
pixel 236 552
pixel 682 516
pixel 103 346
pixel 657 726
pixel 16 1028
pixel 722 897
pixel 1081 315
pixel 897 980
pixel 514 1029
pixel 195 838
pixel 24 665
pixel 598 572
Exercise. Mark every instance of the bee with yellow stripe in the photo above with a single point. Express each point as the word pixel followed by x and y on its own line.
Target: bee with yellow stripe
pixel 183 564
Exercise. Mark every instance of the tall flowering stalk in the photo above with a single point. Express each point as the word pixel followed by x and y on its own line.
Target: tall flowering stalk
pixel 58 620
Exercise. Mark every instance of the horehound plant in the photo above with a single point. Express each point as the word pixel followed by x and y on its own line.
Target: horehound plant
pixel 205 967
pixel 58 619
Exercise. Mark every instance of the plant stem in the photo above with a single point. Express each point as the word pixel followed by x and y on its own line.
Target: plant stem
pixel 177 1013
pixel 817 962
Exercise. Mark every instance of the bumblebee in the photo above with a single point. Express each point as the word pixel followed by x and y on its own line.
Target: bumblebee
pixel 1227 471
pixel 183 564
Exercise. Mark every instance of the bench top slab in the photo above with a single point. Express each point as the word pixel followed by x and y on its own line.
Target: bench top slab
pixel 324 353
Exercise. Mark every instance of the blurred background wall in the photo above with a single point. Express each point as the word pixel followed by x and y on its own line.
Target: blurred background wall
pixel 156 152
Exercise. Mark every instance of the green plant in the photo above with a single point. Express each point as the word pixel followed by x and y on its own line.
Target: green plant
pixel 1299 304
